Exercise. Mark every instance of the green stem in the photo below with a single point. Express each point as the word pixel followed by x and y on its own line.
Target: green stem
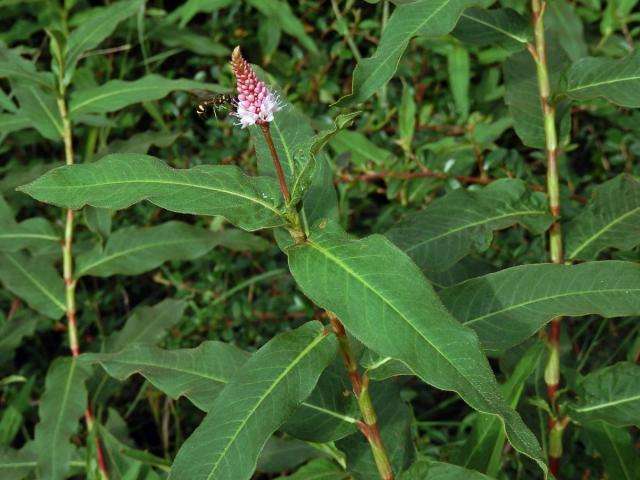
pixel 360 384
pixel 552 371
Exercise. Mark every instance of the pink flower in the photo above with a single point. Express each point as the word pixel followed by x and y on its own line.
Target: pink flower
pixel 256 104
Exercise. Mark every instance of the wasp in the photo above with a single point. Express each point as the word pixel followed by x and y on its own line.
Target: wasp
pixel 210 103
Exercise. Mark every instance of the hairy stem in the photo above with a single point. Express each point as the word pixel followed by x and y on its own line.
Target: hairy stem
pixel 67 270
pixel 552 370
pixel 369 425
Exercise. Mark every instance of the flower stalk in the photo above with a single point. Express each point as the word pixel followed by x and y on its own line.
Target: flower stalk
pixel 552 370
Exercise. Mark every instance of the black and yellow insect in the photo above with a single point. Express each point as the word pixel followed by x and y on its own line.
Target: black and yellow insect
pixel 210 103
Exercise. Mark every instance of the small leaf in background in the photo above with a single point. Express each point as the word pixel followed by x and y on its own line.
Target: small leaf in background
pixel 611 219
pixel 459 69
pixel 254 404
pixel 563 20
pixel 134 250
pixel 269 34
pixel 13 330
pixel 407 117
pixel 501 26
pixel 371 286
pixel 34 280
pixel 319 469
pixel 507 307
pixel 615 80
pixel 120 180
pixel 190 8
pixel 99 221
pixel 62 404
pixel 615 446
pixel 462 221
pixel 118 94
pixel 362 150
pixel 148 324
pixel 430 18
pixel 430 470
pixel 610 394
pixel 122 459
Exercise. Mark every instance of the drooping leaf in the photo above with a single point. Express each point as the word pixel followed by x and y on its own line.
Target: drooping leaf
pixel 134 250
pixel 260 397
pixel 147 324
pixel 41 108
pixel 616 448
pixel 93 30
pixel 198 373
pixel 35 281
pixel 461 221
pixel 13 330
pixel 429 470
pixel 21 71
pixel 394 422
pixel 616 80
pixel 507 307
pixel 484 446
pixel 62 404
pixel 564 21
pixel 611 219
pixel 372 287
pixel 523 97
pixel 422 17
pixel 319 469
pixel 120 180
pixel 502 26
pixel 117 94
pixel 122 461
pixel 611 394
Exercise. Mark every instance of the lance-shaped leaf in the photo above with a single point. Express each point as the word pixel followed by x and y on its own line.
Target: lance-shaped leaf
pixel 318 469
pixel 62 404
pixel 117 94
pixel 616 80
pixel 34 233
pixel 17 464
pixel 35 281
pixel 125 462
pixel 264 392
pixel 507 307
pixel 120 180
pixel 611 394
pixel 616 448
pixel 21 71
pixel 462 221
pixel 14 329
pixel 95 28
pixel 387 304
pixel 421 17
pixel 148 324
pixel 134 250
pixel 12 122
pixel 612 219
pixel 40 107
pixel 430 470
pixel 503 26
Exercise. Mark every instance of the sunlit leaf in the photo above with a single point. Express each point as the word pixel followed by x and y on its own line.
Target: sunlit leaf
pixel 120 180
pixel 507 307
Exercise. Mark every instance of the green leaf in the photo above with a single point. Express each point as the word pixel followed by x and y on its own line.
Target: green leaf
pixel 360 148
pixel 34 233
pixel 121 459
pixel 454 225
pixel 430 470
pixel 507 307
pixel 279 455
pixel 148 324
pixel 484 446
pixel 99 221
pixel 523 98
pixel 616 448
pixel 41 108
pixel 35 281
pixel 93 30
pixel 503 27
pixel 459 76
pixel 407 116
pixel 611 219
pixel 319 469
pixel 17 464
pixel 120 180
pixel 342 121
pixel 117 94
pixel 615 80
pixel 394 422
pixel 611 394
pixel 197 373
pixel 421 17
pixel 134 250
pixel 13 330
pixel 190 8
pixel 260 397
pixel 372 287
pixel 22 72
pixel 13 122
pixel 61 406
pixel 564 21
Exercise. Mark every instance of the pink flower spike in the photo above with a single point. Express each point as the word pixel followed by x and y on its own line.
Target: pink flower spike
pixel 257 104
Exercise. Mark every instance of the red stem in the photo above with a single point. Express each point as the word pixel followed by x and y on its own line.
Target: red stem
pixel 276 161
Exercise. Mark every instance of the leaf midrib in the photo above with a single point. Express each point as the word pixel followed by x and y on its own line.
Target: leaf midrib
pixel 601 406
pixel 604 82
pixel 57 126
pixel 65 398
pixel 546 298
pixel 496 28
pixel 476 224
pixel 28 235
pixel 124 88
pixel 600 232
pixel 316 341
